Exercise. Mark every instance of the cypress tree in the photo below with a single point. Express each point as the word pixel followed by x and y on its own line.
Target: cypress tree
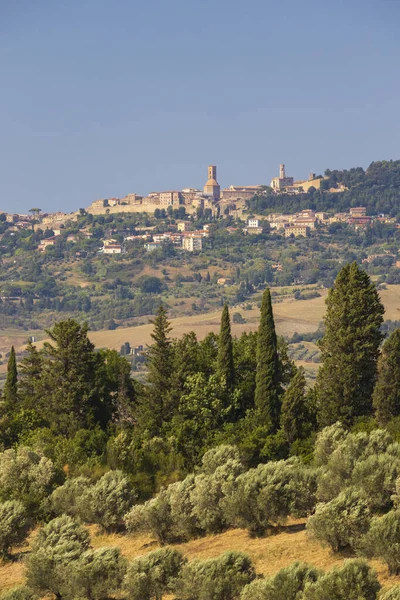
pixel 10 387
pixel 386 396
pixel 349 348
pixel 295 416
pixel 225 364
pixel 30 370
pixel 267 393
pixel 160 365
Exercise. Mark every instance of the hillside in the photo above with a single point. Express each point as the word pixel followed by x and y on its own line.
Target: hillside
pixel 289 544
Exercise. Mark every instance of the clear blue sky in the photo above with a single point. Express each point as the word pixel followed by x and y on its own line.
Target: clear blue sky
pixel 100 98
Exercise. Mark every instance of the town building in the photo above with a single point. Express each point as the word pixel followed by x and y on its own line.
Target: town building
pixel 240 192
pixel 173 198
pixel 297 231
pixel 46 243
pixel 358 211
pixel 183 225
pixel 253 223
pixel 281 182
pixel 192 243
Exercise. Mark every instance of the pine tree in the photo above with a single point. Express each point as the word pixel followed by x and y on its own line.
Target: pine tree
pixel 386 397
pixel 349 348
pixel 295 416
pixel 160 365
pixel 267 401
pixel 225 364
pixel 10 388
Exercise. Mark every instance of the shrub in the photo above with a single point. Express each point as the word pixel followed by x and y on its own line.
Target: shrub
pixel 107 501
pixel 185 524
pixel 58 544
pixel 221 578
pixel 377 475
pixel 327 441
pixel 340 522
pixel 383 540
pixel 153 516
pixel 14 525
pixel 355 580
pixel 287 584
pixel 26 476
pixel 149 577
pixel 18 593
pixel 97 574
pixel 65 500
pixel 218 457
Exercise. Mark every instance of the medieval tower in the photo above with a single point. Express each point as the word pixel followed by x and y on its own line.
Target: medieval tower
pixel 212 188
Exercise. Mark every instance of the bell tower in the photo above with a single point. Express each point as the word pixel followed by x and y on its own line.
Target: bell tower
pixel 212 188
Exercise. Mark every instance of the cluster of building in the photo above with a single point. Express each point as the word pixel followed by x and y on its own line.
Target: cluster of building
pixel 191 241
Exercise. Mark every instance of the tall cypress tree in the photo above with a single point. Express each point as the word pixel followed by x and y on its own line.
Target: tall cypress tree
pixel 10 388
pixel 386 397
pixel 30 370
pixel 155 405
pixel 295 415
pixel 225 364
pixel 268 377
pixel 349 348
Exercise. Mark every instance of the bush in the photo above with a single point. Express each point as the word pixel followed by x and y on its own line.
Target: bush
pixel 355 580
pixel 14 525
pixel 65 500
pixel 287 584
pixel 221 578
pixel 26 476
pixel 218 457
pixel 377 476
pixel 18 593
pixel 269 494
pixel 153 516
pixel 383 540
pixel 97 574
pixel 340 522
pixel 107 501
pixel 58 544
pixel 327 441
pixel 150 577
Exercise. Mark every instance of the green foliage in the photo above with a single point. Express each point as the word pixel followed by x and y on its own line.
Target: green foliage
pixel 267 390
pixel 221 578
pixel 26 476
pixel 10 387
pixel 225 364
pixel 349 348
pixel 67 498
pixel 107 501
pixel 150 577
pixel 14 525
pixel 355 580
pixel 342 521
pixel 18 593
pixel 57 546
pixel 287 584
pixel 383 540
pixel 295 415
pixel 392 593
pixel 97 574
pixel 386 396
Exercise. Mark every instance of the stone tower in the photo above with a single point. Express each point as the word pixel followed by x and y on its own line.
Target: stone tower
pixel 212 188
pixel 282 173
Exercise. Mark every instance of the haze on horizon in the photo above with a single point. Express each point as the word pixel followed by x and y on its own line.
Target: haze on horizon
pixel 100 98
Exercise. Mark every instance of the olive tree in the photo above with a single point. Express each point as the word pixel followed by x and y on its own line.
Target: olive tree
pixel 65 499
pixel 14 525
pixel 97 574
pixel 392 593
pixel 18 593
pixel 154 516
pixel 342 521
pixel 57 546
pixel 287 584
pixel 150 577
pixel 383 540
pixel 221 578
pixel 355 580
pixel 107 501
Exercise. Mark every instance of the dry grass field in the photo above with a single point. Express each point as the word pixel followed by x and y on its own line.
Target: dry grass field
pixel 269 554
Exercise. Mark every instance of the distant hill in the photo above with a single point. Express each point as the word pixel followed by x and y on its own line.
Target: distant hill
pixel 377 188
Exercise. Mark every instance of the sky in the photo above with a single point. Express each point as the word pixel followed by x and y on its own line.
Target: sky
pixel 101 98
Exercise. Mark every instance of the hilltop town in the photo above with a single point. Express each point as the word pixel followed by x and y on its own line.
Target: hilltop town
pixel 187 204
